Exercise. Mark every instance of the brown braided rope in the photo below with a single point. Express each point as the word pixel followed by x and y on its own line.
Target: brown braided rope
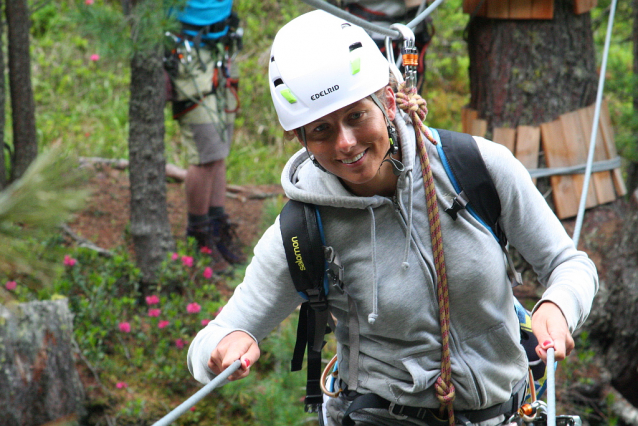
pixel 412 103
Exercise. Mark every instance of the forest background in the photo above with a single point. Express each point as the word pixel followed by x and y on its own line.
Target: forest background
pixel 133 374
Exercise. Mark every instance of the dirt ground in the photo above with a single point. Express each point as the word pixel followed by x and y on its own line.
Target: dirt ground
pixel 105 218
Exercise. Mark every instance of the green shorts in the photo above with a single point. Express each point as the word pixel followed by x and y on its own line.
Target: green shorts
pixel 206 114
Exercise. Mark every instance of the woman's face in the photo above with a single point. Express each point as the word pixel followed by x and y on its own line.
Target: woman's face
pixel 352 143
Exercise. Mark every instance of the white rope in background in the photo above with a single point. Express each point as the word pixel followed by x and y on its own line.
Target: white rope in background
pixel 594 131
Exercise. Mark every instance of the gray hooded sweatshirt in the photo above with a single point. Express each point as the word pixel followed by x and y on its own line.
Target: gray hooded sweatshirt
pixel 390 290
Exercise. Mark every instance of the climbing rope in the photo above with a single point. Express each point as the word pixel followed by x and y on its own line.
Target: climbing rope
pixel 415 106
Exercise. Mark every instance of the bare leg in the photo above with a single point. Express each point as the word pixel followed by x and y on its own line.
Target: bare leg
pixel 205 186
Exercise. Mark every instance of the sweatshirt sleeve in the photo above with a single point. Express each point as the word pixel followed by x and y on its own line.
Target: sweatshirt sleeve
pixel 569 275
pixel 264 299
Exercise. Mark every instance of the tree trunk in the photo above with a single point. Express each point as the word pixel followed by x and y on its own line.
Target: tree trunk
pixel 613 322
pixel 25 145
pixel 150 227
pixel 632 169
pixel 529 72
pixel 37 370
pixel 3 168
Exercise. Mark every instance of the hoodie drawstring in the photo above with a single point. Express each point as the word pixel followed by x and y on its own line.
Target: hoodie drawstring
pixel 375 287
pixel 405 265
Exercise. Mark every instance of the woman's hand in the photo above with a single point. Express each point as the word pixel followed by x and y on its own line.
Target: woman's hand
pixel 550 328
pixel 236 345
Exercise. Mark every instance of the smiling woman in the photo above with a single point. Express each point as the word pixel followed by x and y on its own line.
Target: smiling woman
pixel 421 340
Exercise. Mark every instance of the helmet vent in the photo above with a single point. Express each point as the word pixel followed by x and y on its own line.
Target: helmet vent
pixel 272 58
pixel 345 25
pixel 277 82
pixel 356 45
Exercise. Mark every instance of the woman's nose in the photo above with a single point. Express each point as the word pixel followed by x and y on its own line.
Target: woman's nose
pixel 346 139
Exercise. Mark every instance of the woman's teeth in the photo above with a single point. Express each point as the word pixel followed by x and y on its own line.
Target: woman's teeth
pixel 352 160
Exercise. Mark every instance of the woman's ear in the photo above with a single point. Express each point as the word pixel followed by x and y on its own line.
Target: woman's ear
pixel 390 102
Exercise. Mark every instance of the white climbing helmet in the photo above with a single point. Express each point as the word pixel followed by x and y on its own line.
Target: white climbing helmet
pixel 320 63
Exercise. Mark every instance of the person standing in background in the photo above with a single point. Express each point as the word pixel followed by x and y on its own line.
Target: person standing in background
pixel 204 98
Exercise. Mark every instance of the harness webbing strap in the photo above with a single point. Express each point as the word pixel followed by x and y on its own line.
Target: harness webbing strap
pixel 473 178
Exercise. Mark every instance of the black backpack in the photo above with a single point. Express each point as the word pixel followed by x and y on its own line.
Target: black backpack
pixel 314 266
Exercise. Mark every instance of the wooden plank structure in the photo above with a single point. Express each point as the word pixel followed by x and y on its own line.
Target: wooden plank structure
pixel 565 143
pixel 520 9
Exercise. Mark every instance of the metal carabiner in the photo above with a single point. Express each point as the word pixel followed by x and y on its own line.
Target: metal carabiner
pixel 409 53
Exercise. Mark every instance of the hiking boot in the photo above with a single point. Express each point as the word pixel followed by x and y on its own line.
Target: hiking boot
pixel 206 245
pixel 224 234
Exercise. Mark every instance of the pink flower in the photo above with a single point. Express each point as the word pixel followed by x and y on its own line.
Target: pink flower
pixel 174 256
pixel 205 322
pixel 68 260
pixel 208 272
pixel 154 312
pixel 193 308
pixel 187 261
pixel 10 285
pixel 192 408
pixel 95 57
pixel 205 250
pixel 120 385
pixel 125 327
pixel 163 324
pixel 180 343
pixel 152 300
pixel 88 2
pixel 219 311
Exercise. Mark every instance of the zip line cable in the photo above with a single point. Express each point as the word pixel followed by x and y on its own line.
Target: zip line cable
pixel 594 131
pixel 394 34
pixel 184 406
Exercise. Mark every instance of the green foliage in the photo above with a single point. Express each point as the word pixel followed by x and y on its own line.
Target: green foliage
pixel 30 208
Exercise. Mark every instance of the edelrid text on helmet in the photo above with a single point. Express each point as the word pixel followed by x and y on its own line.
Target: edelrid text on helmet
pixel 325 92
pixel 320 63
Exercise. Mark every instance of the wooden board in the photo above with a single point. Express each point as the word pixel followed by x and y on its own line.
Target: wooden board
pixel 498 9
pixel 506 137
pixel 606 129
pixel 577 147
pixel 603 183
pixel 520 9
pixel 528 143
pixel 582 6
pixel 542 9
pixel 467 116
pixel 560 152
pixel 478 127
pixel 469 6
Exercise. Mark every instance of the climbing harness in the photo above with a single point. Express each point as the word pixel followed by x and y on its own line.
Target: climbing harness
pixel 205 71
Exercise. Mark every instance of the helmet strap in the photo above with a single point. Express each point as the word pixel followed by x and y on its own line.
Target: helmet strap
pixel 392 131
pixel 302 134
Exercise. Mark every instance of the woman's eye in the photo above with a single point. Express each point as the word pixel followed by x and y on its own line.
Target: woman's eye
pixel 356 115
pixel 320 128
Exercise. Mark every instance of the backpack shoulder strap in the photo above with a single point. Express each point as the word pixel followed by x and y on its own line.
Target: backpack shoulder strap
pixel 302 237
pixel 300 231
pixel 466 169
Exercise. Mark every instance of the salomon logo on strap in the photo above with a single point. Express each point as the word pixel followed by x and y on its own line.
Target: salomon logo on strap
pixel 297 250
pixel 324 92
